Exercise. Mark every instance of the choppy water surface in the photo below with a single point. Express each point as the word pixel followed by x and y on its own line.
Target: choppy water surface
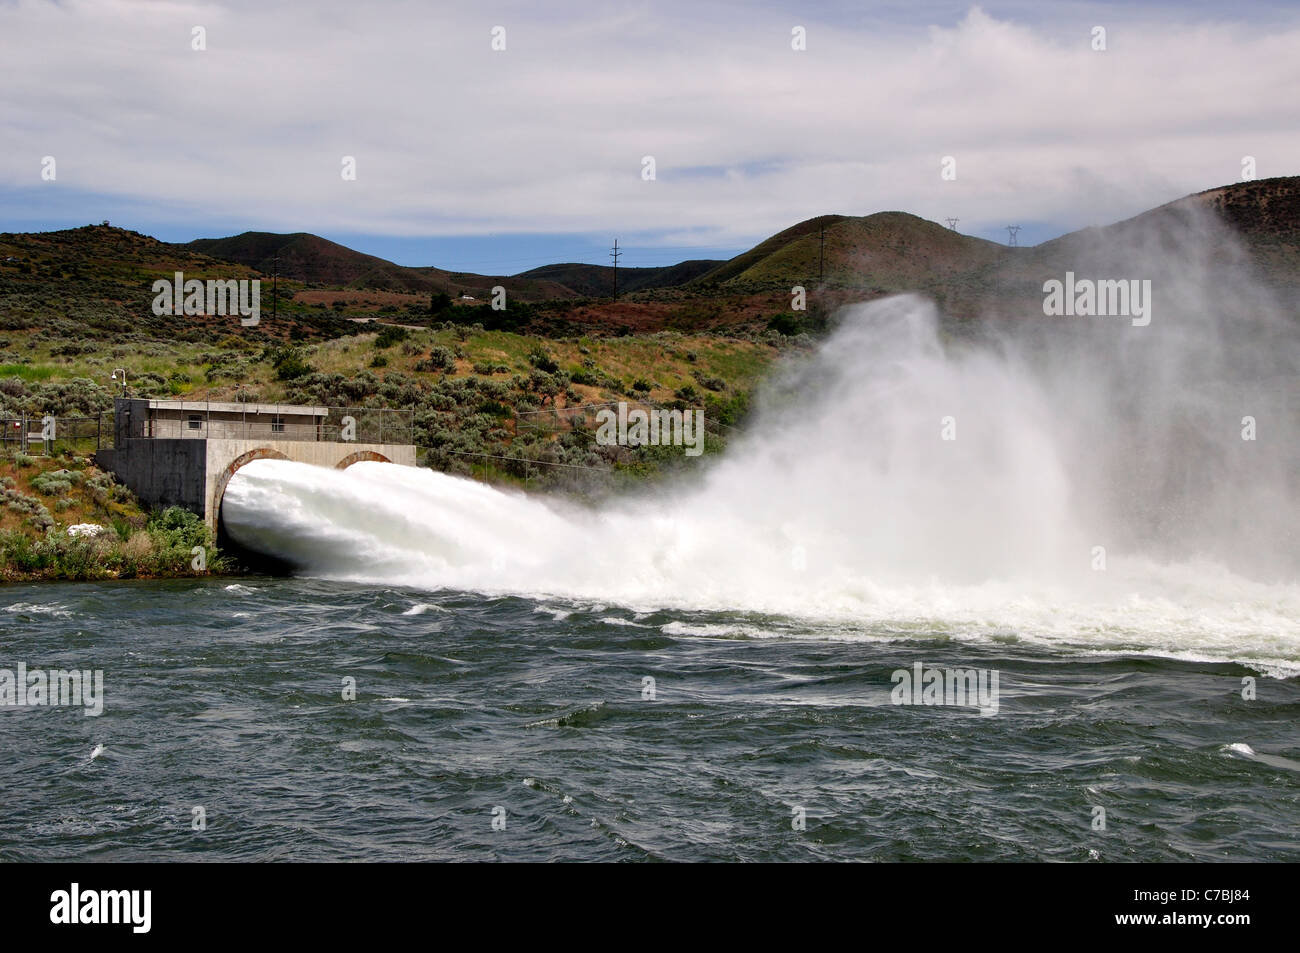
pixel 228 696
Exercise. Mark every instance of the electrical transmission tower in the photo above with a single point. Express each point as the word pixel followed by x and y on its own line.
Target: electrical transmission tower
pixel 1013 230
pixel 952 223
pixel 615 255
pixel 821 258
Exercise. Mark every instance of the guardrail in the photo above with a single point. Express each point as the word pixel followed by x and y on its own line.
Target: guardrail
pixel 340 424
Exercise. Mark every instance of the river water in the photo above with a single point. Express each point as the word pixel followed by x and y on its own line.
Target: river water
pixel 535 714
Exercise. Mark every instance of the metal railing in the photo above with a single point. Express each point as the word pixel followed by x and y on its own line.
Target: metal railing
pixel 279 422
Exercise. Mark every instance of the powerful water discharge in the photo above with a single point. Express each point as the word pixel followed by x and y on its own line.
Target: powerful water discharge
pixel 1075 481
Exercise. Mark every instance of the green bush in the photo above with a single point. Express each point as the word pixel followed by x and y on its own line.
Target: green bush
pixel 543 361
pixel 289 364
pixel 50 485
pixel 440 359
pixel 390 335
pixel 177 528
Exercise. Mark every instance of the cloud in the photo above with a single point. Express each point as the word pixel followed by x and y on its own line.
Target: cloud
pixel 748 135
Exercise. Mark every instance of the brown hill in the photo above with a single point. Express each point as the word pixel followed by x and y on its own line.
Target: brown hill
pixel 319 261
pixel 597 281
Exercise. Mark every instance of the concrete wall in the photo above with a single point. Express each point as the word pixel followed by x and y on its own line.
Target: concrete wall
pixel 130 419
pixel 164 472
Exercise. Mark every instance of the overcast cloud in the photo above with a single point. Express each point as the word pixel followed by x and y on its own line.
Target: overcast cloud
pixel 748 135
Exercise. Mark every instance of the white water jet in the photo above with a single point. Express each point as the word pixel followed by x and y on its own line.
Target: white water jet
pixel 844 503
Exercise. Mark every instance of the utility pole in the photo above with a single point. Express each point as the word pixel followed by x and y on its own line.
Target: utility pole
pixel 821 257
pixel 615 254
pixel 1012 230
pixel 275 289
pixel 952 223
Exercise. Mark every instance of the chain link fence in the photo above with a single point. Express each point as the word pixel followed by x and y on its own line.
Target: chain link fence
pixel 49 435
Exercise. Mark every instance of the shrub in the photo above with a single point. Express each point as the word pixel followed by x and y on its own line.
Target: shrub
pixel 543 361
pixel 710 383
pixel 390 335
pixel 51 483
pixel 786 324
pixel 176 528
pixel 289 364
pixel 440 359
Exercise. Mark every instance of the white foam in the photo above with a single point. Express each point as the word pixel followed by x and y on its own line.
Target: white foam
pixel 39 608
pixel 846 514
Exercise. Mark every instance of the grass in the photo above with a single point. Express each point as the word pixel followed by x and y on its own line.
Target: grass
pixel 29 372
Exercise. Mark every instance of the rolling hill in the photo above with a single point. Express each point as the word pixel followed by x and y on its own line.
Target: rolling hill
pixel 874 254
pixel 596 281
pixel 97 278
pixel 318 261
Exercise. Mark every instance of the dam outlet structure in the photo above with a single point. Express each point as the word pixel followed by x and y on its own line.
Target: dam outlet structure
pixel 183 453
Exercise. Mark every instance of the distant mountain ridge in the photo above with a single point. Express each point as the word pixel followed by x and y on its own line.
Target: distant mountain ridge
pixel 594 281
pixel 315 260
pixel 310 258
pixel 888 251
pixel 846 258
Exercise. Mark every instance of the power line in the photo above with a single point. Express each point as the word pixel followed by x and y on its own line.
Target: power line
pixel 821 257
pixel 615 255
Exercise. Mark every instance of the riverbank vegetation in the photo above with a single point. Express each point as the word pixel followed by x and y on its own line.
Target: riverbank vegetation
pixel 63 518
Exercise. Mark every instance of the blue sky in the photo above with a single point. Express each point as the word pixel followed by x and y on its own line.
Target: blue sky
pixel 497 160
